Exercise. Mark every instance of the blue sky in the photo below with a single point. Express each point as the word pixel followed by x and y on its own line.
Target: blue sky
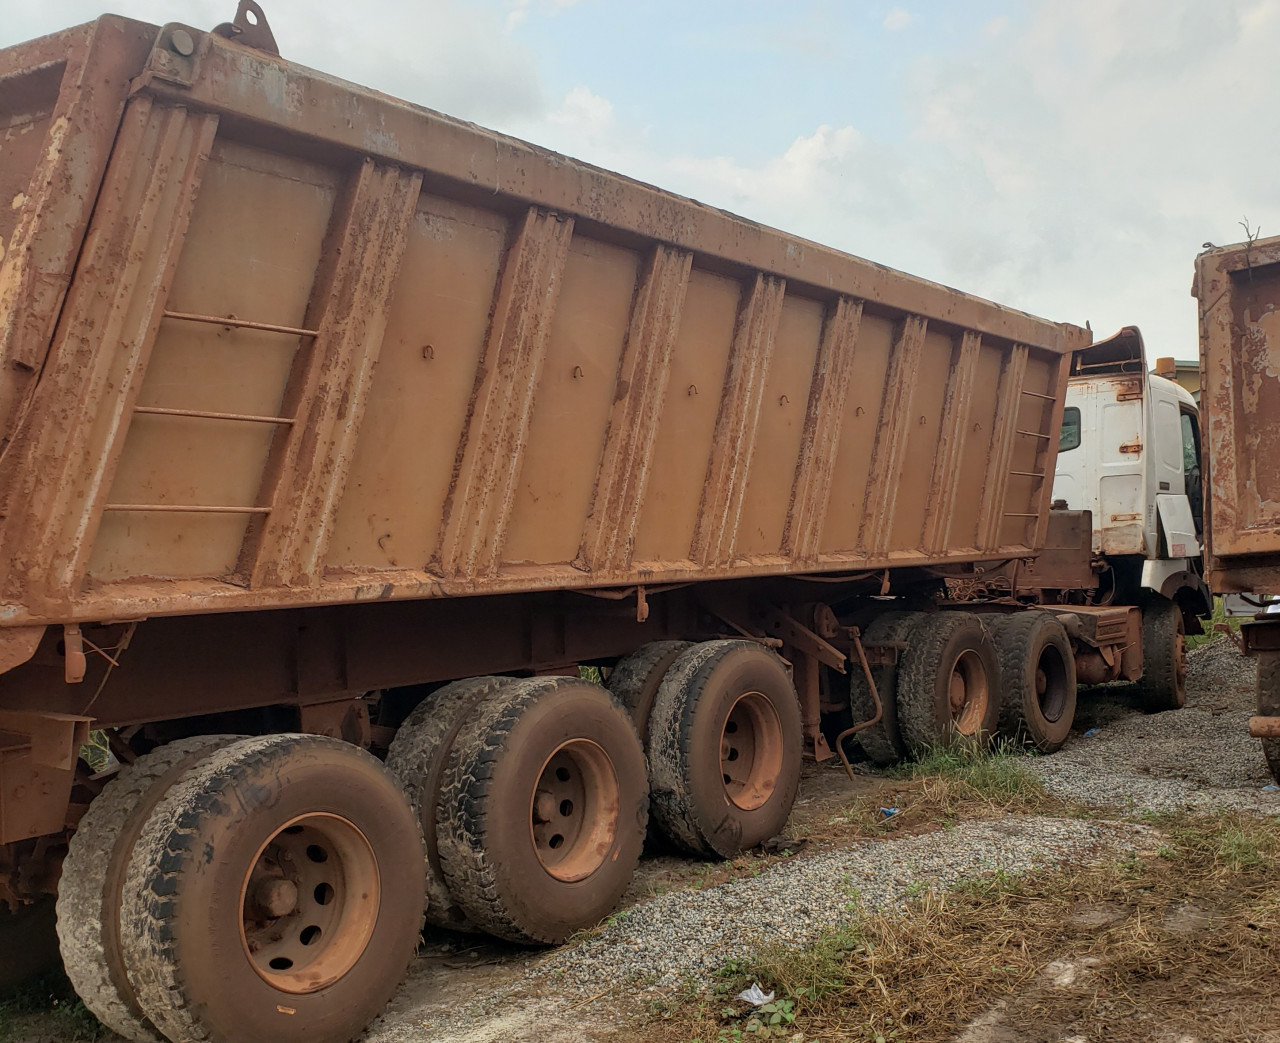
pixel 1066 158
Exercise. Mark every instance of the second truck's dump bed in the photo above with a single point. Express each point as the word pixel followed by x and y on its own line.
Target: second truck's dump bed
pixel 1238 288
pixel 272 339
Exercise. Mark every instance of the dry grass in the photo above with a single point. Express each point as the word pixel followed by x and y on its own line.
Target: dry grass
pixel 1181 941
pixel 949 784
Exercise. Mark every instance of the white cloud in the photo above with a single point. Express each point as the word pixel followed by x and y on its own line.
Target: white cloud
pixel 519 10
pixel 897 19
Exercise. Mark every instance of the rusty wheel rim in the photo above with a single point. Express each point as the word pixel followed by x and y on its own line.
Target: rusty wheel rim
pixel 309 903
pixel 573 813
pixel 968 693
pixel 751 751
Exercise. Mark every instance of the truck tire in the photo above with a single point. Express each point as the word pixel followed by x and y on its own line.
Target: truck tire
pixel 89 892
pixel 948 683
pixel 1037 679
pixel 883 741
pixel 634 681
pixel 1164 657
pixel 1269 705
pixel 274 893
pixel 724 748
pixel 417 758
pixel 542 809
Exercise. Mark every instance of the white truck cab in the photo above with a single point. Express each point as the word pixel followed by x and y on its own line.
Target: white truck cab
pixel 1129 453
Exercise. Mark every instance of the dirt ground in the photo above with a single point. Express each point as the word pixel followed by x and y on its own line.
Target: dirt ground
pixel 469 989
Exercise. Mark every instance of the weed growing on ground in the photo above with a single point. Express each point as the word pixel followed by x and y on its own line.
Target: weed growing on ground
pixel 1137 965
pixel 52 1002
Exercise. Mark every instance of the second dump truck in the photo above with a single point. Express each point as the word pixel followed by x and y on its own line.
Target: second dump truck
pixel 338 436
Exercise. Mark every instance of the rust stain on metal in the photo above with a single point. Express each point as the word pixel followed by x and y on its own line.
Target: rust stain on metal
pixel 820 440
pixel 944 485
pixel 637 411
pixel 892 432
pixel 1005 430
pixel 306 477
pixel 729 466
pixel 492 449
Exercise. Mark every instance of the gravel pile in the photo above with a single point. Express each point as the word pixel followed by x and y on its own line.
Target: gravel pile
pixel 685 936
pixel 1199 758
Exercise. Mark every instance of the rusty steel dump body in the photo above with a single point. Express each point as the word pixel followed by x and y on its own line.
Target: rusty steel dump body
pixel 1238 288
pixel 276 340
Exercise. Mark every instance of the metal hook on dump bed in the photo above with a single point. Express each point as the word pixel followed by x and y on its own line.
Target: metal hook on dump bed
pixel 250 28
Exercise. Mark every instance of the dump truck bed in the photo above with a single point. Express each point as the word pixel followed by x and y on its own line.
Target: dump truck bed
pixel 272 339
pixel 1238 288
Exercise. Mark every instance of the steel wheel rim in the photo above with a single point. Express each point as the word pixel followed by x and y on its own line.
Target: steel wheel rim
pixel 1051 684
pixel 751 751
pixel 968 692
pixel 309 903
pixel 573 811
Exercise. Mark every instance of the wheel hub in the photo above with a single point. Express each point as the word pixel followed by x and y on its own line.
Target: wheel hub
pixel 751 751
pixel 573 812
pixel 309 903
pixel 968 693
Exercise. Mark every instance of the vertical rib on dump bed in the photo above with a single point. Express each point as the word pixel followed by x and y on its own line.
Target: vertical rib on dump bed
pixel 320 345
pixel 1238 288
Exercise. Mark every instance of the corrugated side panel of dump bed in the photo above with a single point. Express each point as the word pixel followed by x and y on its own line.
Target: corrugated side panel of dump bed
pixel 273 339
pixel 1238 288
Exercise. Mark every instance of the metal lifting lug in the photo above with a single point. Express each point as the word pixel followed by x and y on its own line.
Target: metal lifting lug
pixel 250 28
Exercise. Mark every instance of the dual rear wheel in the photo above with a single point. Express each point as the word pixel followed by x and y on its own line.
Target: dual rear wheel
pixel 285 871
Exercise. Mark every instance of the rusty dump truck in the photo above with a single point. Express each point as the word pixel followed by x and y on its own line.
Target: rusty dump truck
pixel 345 447
pixel 1238 291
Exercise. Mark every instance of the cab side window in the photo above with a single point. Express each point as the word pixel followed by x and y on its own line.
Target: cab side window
pixel 1191 467
pixel 1070 436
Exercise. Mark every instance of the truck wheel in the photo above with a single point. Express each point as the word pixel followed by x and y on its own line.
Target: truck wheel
pixel 1037 678
pixel 542 809
pixel 1269 705
pixel 1164 657
pixel 883 741
pixel 274 893
pixel 948 682
pixel 724 748
pixel 89 892
pixel 634 681
pixel 417 758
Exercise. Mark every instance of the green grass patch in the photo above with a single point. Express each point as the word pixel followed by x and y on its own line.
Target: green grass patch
pixel 1195 641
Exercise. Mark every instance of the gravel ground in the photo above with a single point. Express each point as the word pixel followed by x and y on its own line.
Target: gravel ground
pixel 1199 758
pixel 663 944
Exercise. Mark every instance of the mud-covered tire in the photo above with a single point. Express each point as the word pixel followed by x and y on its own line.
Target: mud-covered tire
pixel 89 891
pixel 1163 685
pixel 948 683
pixel 883 741
pixel 1037 679
pixel 417 758
pixel 1269 705
pixel 634 681
pixel 724 748
pixel 541 759
pixel 202 969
